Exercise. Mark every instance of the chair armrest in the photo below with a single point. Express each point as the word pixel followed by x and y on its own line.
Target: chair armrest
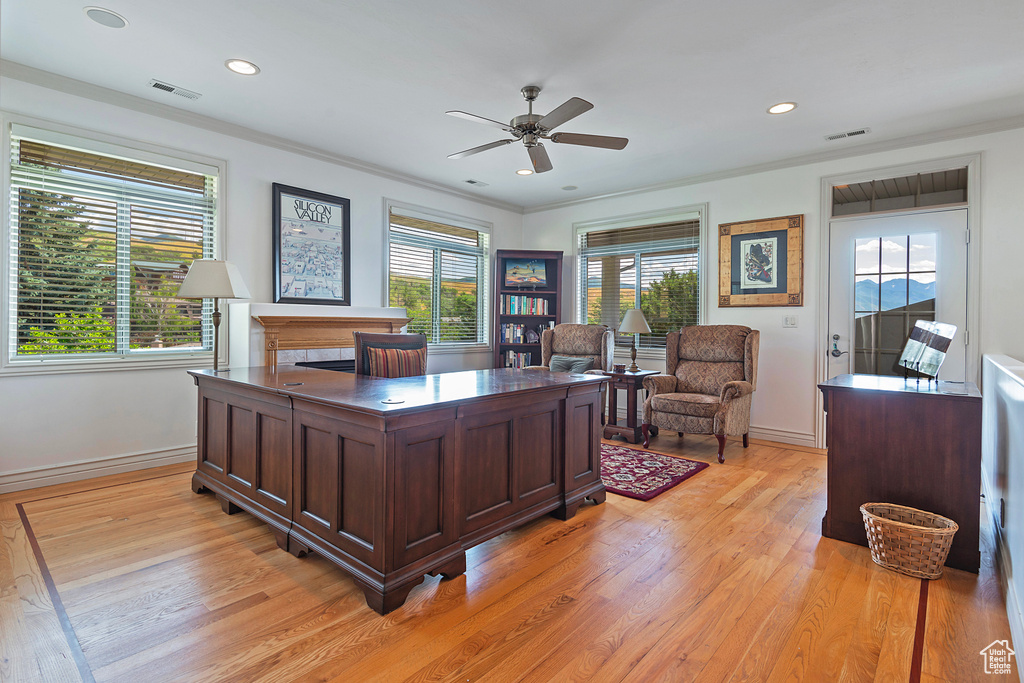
pixel 659 384
pixel 735 389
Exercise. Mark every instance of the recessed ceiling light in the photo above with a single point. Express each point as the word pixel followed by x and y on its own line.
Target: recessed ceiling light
pixel 524 171
pixel 240 66
pixel 105 17
pixel 782 108
pixel 570 188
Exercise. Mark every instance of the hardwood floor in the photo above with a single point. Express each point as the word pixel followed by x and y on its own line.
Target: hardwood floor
pixel 724 578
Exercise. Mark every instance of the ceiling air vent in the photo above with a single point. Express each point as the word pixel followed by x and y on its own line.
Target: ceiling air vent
pixel 174 90
pixel 848 134
pixel 476 183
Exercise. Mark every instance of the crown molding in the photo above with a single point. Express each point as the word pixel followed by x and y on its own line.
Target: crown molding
pixel 994 126
pixel 98 93
pixel 71 86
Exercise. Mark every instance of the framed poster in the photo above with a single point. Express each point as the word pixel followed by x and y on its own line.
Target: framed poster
pixel 311 247
pixel 761 263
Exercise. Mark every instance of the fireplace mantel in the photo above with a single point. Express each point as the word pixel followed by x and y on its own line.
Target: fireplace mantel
pixel 292 332
pixel 259 331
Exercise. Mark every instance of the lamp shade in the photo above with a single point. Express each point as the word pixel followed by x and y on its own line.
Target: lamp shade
pixel 209 278
pixel 634 323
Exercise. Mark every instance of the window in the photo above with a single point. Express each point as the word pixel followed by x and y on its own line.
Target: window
pixel 437 272
pixel 653 267
pixel 98 247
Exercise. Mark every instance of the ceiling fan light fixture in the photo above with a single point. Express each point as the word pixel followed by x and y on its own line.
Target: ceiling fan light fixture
pixel 782 108
pixel 525 171
pixel 242 67
pixel 530 129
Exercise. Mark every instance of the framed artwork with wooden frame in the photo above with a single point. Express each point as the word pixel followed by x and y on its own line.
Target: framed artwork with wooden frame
pixel 761 263
pixel 311 247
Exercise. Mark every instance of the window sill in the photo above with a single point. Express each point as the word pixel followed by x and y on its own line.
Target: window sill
pixel 457 348
pixel 20 368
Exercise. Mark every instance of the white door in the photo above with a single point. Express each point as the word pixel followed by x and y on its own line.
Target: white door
pixel 887 272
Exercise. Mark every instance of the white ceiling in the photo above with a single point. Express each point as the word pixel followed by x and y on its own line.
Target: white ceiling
pixel 687 82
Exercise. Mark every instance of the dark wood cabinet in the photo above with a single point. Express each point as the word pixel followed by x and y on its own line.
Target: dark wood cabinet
pixel 899 441
pixel 390 492
pixel 524 309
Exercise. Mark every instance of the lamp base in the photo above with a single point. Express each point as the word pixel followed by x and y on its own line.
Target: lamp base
pixel 633 367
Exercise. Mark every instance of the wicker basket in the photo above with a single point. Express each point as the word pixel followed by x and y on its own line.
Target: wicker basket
pixel 906 540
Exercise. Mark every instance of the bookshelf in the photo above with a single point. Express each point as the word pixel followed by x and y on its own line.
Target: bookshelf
pixel 526 307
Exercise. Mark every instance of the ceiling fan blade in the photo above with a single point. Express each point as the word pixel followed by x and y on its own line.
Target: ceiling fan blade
pixel 569 109
pixel 539 157
pixel 589 140
pixel 481 148
pixel 480 119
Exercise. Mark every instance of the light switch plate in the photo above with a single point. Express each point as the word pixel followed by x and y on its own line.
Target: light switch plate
pixel 789 321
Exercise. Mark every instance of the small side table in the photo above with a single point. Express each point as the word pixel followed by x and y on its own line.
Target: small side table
pixel 632 382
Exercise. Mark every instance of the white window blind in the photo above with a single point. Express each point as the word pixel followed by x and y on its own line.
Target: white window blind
pixel 437 272
pixel 98 248
pixel 653 268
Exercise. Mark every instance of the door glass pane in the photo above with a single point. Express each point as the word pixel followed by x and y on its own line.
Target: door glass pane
pixel 894 286
pixel 894 254
pixel 867 255
pixel 866 295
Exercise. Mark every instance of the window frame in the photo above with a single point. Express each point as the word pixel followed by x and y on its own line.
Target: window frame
pixel 112 145
pixel 637 220
pixel 484 284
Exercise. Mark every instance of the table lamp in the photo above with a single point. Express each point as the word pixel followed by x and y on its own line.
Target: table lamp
pixel 209 278
pixel 634 323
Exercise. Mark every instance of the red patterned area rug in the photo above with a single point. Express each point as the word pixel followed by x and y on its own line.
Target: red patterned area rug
pixel 641 474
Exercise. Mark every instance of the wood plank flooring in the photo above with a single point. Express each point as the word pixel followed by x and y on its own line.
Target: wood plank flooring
pixel 724 578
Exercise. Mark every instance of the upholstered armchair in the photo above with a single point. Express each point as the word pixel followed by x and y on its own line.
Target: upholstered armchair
pixel 710 377
pixel 583 342
pixel 593 342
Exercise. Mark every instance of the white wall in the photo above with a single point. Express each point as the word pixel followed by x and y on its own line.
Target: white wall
pixel 784 406
pixel 75 418
pixel 48 420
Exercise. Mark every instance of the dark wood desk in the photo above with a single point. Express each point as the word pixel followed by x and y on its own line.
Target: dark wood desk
pixel 896 441
pixel 632 382
pixel 391 492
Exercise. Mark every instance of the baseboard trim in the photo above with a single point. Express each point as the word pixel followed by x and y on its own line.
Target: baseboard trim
pixel 1002 558
pixel 783 436
pixel 98 467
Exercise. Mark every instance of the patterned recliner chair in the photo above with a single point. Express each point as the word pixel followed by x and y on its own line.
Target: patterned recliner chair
pixel 596 342
pixel 710 376
pixel 580 341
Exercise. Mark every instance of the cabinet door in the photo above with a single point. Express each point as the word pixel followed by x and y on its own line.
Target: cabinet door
pixel 511 459
pixel 424 491
pixel 339 485
pixel 486 480
pixel 245 443
pixel 582 438
pixel 536 447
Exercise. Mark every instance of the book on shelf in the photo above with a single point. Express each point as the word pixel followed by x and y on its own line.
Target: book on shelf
pixel 518 359
pixel 513 304
pixel 520 333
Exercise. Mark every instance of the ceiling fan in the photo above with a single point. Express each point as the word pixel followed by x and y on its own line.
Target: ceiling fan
pixel 532 128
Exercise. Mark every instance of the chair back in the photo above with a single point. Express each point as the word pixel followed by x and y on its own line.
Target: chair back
pixel 704 357
pixel 579 341
pixel 399 362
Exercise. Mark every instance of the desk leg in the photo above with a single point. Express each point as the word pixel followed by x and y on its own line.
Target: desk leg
pixel 611 422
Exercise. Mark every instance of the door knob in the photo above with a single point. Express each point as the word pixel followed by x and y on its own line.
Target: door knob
pixel 836 353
